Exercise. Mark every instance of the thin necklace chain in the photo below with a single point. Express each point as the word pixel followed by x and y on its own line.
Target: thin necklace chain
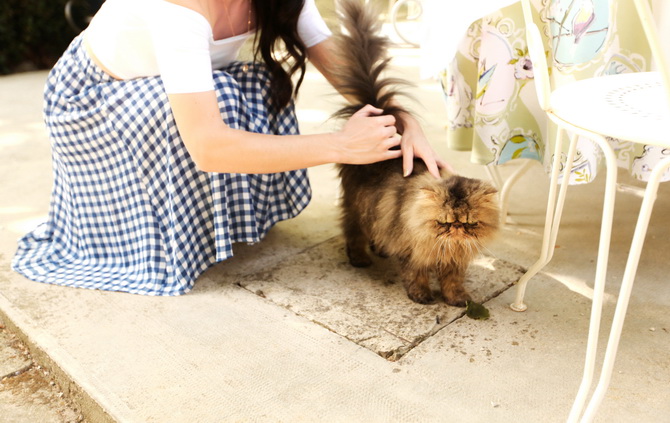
pixel 230 24
pixel 245 66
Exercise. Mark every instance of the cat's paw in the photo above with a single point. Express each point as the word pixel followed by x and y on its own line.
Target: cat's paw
pixel 381 253
pixel 360 261
pixel 358 258
pixel 421 296
pixel 458 300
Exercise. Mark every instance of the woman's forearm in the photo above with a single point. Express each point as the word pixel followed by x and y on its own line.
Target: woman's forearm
pixel 238 151
pixel 366 137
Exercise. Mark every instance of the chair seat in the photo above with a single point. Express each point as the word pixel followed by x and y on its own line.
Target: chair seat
pixel 630 106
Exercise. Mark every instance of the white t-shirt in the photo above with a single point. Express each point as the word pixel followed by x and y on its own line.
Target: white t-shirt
pixel 139 38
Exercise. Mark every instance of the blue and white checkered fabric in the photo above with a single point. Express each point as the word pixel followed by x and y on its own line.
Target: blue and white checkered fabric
pixel 129 210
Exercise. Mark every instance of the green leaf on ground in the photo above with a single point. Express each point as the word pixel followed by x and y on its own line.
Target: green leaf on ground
pixel 476 311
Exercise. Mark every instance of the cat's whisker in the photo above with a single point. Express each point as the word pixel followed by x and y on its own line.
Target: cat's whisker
pixel 447 247
pixel 439 246
pixel 468 247
pixel 452 248
pixel 438 249
pixel 488 251
pixel 476 249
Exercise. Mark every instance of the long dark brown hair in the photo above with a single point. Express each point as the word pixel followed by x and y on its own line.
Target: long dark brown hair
pixel 279 46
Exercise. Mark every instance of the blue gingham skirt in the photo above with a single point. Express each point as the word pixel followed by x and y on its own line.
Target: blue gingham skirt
pixel 129 210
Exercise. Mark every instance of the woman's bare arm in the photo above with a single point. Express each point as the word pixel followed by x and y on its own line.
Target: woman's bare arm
pixel 215 147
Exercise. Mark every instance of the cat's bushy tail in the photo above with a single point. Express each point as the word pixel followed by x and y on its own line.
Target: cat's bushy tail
pixel 363 58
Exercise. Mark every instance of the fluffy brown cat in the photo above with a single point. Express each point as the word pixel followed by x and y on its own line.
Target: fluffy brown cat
pixel 431 225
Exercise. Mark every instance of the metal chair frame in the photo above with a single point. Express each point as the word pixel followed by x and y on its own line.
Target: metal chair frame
pixel 550 102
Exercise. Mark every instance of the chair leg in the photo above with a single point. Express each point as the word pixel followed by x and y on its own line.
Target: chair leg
pixel 497 180
pixel 572 151
pixel 552 219
pixel 601 273
pixel 626 288
pixel 507 187
pixel 494 175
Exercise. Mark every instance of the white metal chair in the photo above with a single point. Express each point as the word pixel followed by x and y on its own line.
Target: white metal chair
pixel 505 186
pixel 632 107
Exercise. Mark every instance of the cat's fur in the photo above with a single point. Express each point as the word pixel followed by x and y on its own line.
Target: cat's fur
pixel 431 225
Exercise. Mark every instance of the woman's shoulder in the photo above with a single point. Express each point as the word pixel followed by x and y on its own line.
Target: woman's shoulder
pixel 195 5
pixel 173 15
pixel 153 7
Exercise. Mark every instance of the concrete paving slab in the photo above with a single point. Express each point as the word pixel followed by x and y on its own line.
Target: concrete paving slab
pixel 12 359
pixel 528 365
pixel 369 306
pixel 27 392
pixel 226 355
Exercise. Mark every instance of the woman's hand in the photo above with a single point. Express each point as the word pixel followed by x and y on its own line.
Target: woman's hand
pixel 368 137
pixel 415 144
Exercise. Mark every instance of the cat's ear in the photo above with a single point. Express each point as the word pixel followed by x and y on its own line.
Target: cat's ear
pixel 428 193
pixel 489 189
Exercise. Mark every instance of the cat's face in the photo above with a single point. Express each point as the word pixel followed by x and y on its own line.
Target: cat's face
pixel 460 210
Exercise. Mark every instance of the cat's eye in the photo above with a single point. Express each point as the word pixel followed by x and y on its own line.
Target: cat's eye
pixel 470 224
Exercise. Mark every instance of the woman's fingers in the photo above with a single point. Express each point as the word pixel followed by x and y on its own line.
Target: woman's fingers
pixel 432 168
pixel 375 114
pixel 385 120
pixel 442 164
pixel 393 141
pixel 392 154
pixel 407 159
pixel 368 110
pixel 390 131
pixel 373 130
pixel 371 136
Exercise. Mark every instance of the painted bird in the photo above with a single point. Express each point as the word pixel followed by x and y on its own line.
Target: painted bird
pixel 583 19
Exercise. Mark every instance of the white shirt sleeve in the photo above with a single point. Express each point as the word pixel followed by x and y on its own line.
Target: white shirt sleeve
pixel 180 41
pixel 311 27
pixel 181 44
